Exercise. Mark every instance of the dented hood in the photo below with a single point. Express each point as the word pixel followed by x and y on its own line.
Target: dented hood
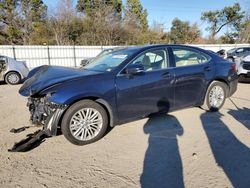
pixel 45 76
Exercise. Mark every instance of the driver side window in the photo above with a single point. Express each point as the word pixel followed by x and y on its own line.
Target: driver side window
pixel 153 60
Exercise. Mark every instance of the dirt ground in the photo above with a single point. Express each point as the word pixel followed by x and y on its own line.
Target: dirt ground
pixel 188 148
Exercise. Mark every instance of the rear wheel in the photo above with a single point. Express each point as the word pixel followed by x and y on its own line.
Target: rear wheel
pixel 215 96
pixel 84 122
pixel 12 78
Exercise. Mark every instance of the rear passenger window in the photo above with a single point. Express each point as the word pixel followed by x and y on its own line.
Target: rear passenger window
pixel 186 57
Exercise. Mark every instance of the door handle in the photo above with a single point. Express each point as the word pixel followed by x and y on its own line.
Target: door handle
pixel 166 75
pixel 208 68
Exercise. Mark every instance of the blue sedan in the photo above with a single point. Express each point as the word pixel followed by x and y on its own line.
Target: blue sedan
pixel 124 85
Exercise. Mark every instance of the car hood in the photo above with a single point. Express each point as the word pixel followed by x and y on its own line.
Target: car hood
pixel 247 58
pixel 45 76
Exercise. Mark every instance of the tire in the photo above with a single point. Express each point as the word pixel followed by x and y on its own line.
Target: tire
pixel 12 78
pixel 80 130
pixel 241 78
pixel 220 96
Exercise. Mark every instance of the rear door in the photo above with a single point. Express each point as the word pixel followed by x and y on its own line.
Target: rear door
pixel 148 92
pixel 193 70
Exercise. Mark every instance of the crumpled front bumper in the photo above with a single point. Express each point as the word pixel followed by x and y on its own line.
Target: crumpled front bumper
pixel 52 122
pixel 50 126
pixel 48 114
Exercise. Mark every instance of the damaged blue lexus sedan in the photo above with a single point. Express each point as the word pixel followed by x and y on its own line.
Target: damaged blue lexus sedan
pixel 124 85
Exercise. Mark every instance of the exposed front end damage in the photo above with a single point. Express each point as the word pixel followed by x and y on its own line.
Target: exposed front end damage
pixel 45 113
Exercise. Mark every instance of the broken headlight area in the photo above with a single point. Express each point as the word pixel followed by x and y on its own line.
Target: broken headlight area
pixel 45 113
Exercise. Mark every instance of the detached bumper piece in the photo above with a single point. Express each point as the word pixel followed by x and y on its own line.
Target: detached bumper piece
pixel 33 140
pixel 18 130
pixel 42 113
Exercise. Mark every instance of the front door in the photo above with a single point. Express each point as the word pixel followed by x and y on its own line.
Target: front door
pixel 148 92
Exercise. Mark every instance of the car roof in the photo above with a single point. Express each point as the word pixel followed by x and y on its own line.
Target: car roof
pixel 240 48
pixel 247 58
pixel 159 45
pixel 139 49
pixel 245 47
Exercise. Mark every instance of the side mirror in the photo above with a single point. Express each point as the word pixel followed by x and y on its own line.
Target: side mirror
pixel 84 62
pixel 134 69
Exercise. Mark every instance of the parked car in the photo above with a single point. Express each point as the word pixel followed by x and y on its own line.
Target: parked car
pixel 237 53
pixel 243 68
pixel 12 71
pixel 125 85
pixel 86 61
pixel 222 53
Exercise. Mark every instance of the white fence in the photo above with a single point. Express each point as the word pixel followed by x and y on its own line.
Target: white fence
pixel 71 55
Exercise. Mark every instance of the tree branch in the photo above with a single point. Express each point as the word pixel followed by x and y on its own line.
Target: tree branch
pixel 218 30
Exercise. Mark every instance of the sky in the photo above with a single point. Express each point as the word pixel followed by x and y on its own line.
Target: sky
pixel 164 11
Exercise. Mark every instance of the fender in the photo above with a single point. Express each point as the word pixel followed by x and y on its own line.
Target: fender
pixel 108 107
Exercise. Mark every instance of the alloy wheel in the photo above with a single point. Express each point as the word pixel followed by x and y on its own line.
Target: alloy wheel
pixel 216 96
pixel 86 124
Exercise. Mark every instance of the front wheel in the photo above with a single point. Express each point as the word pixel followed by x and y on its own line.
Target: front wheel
pixel 84 122
pixel 215 96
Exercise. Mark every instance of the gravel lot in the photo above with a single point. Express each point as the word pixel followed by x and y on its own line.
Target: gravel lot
pixel 188 148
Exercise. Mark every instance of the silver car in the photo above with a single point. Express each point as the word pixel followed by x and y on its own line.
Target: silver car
pixel 12 71
pixel 243 67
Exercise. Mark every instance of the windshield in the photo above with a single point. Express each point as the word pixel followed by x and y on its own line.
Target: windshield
pixel 232 50
pixel 108 62
pixel 105 52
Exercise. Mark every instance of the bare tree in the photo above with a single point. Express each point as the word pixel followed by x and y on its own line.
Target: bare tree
pixel 61 21
pixel 103 27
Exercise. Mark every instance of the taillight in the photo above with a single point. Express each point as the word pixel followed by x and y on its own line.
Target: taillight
pixel 233 66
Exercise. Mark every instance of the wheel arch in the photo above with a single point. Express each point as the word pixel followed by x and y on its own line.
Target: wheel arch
pixel 223 81
pixel 102 102
pixel 205 104
pixel 212 81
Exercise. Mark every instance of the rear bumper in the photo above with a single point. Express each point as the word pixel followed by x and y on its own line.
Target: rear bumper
pixel 247 75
